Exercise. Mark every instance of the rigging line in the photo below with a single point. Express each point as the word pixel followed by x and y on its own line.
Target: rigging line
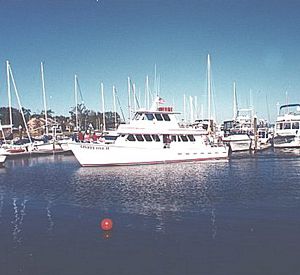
pixel 268 109
pixel 119 103
pixel 80 93
pixel 135 98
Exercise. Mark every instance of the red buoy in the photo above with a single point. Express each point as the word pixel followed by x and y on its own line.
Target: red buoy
pixel 106 224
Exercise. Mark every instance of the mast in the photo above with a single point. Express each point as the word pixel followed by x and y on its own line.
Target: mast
pixel 76 103
pixel 9 95
pixel 196 107
pixel 155 81
pixel 208 88
pixel 103 110
pixel 44 98
pixel 114 102
pixel 19 102
pixel 129 98
pixel 234 101
pixel 191 109
pixel 184 105
pixel 147 93
pixel 134 97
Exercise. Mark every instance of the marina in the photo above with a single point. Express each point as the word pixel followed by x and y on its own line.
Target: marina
pixel 146 137
pixel 185 218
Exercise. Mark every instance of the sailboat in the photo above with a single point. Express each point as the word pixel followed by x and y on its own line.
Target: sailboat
pixel 48 144
pixel 19 147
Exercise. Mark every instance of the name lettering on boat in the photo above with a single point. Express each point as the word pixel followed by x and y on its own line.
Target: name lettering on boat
pixel 91 147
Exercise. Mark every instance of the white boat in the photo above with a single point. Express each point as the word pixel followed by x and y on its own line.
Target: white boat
pixel 17 149
pixel 153 136
pixel 238 142
pixel 287 130
pixel 2 157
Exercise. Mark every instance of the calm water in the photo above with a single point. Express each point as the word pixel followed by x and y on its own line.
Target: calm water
pixel 240 216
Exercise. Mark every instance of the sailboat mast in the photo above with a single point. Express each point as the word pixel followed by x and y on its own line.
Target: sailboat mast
pixel 191 109
pixel 44 98
pixel 76 103
pixel 103 110
pixel 155 81
pixel 208 88
pixel 9 95
pixel 129 98
pixel 134 97
pixel 147 93
pixel 19 103
pixel 234 101
pixel 184 108
pixel 114 102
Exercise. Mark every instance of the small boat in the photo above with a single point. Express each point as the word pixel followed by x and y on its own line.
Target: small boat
pixel 287 130
pixel 238 142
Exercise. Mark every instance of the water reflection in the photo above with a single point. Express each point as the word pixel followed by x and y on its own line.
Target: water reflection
pixel 30 161
pixel 49 218
pixel 19 214
pixel 154 191
pixel 1 204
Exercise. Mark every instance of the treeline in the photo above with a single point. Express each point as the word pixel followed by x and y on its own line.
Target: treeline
pixel 86 118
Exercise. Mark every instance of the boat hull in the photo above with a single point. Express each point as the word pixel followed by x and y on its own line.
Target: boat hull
pixel 112 155
pixel 2 159
pixel 287 141
pixel 238 142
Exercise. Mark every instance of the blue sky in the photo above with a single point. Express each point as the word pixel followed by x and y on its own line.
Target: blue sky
pixel 255 43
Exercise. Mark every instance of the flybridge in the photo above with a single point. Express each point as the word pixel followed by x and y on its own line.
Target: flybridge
pixel 290 105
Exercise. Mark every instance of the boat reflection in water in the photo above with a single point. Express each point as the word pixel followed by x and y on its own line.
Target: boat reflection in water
pixel 160 191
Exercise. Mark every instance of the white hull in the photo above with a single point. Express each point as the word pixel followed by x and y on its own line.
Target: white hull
pixel 2 159
pixel 47 148
pixel 287 133
pixel 89 154
pixel 17 150
pixel 292 144
pixel 238 142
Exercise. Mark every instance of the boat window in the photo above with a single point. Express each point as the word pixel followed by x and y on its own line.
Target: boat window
pixel 191 137
pixel 139 137
pixel 131 138
pixel 287 125
pixel 156 138
pixel 173 138
pixel 150 116
pixel 147 137
pixel 158 117
pixel 262 134
pixel 166 117
pixel 184 138
pixel 295 125
pixel 137 116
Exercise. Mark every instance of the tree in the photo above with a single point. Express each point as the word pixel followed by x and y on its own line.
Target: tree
pixel 27 113
pixel 50 113
pixel 82 114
